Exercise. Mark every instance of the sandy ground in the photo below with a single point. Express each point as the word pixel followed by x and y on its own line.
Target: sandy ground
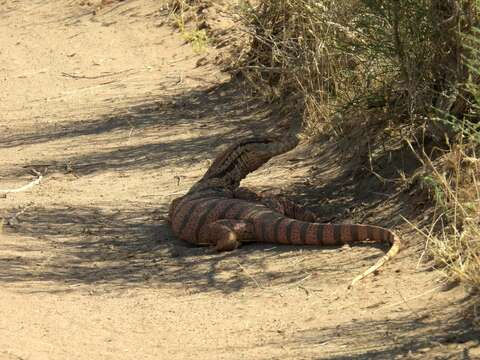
pixel 114 110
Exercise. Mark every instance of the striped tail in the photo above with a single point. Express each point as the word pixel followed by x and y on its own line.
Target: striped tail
pixel 289 231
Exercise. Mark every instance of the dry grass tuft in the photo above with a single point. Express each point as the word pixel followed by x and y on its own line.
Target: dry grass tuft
pixel 185 15
pixel 453 184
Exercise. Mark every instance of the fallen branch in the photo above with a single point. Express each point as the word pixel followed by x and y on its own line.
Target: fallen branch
pixel 73 76
pixel 25 187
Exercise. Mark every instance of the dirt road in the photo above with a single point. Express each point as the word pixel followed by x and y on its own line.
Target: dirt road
pixel 114 110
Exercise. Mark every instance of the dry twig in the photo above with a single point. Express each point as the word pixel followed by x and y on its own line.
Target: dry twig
pixel 25 187
pixel 73 76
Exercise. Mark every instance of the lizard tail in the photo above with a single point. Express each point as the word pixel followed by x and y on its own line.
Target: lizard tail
pixel 394 249
pixel 290 231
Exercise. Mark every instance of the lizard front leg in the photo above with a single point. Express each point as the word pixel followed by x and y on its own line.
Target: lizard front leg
pixel 226 235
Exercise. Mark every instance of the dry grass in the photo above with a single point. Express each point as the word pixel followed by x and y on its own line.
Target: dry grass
pixel 452 182
pixel 295 51
pixel 458 246
pixel 339 58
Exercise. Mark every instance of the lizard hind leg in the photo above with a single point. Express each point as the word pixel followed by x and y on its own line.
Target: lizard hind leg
pixel 289 208
pixel 277 203
pixel 227 235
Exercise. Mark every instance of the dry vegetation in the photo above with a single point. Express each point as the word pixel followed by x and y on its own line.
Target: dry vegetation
pixel 403 70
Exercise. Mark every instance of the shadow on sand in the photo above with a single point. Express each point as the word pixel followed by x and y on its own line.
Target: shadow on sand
pixel 115 249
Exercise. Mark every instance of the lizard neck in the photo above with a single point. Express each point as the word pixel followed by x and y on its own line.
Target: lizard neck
pixel 242 158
